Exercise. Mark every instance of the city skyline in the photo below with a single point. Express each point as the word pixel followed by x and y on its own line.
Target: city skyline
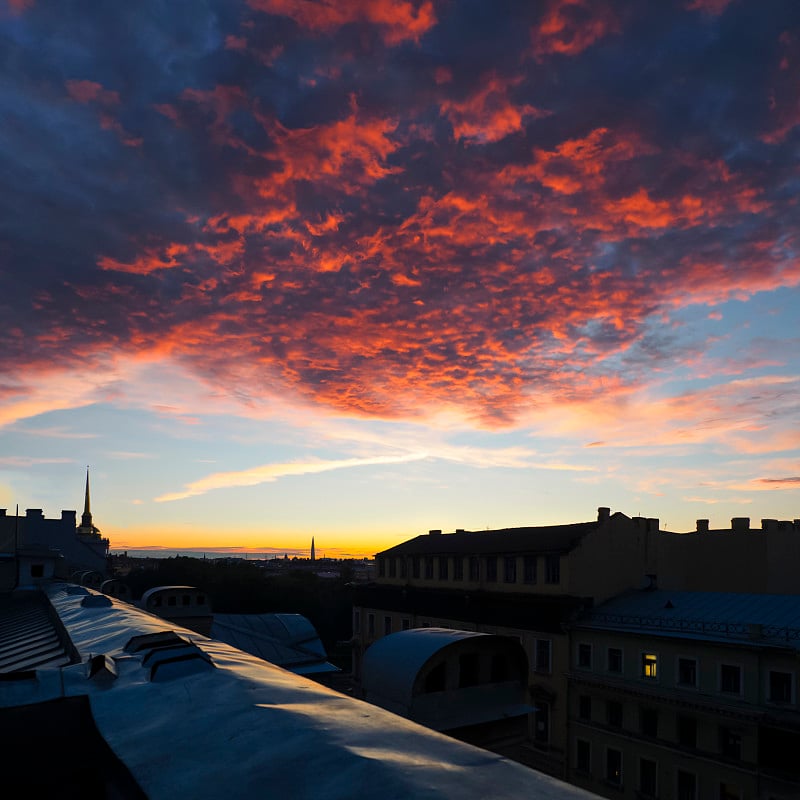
pixel 276 269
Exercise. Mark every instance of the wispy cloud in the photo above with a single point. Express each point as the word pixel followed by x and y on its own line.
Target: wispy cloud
pixel 272 472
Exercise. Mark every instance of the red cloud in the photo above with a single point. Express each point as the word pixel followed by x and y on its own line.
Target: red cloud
pixel 713 7
pixel 91 92
pixel 568 27
pixel 488 115
pixel 398 20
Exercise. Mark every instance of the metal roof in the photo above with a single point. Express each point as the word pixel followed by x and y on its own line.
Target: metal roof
pixel 214 721
pixel 288 640
pixel 547 539
pixel 769 619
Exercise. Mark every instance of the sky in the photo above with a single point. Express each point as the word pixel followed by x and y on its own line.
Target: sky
pixel 355 270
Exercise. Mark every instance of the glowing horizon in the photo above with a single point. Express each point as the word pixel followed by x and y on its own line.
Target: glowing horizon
pixel 358 270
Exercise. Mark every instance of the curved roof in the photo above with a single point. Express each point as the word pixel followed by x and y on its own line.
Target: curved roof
pixel 391 664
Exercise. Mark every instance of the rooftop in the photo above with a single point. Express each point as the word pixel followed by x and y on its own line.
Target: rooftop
pixel 162 711
pixel 765 619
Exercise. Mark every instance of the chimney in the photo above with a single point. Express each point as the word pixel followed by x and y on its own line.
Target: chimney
pixel 460 530
pixel 740 524
pixel 34 513
pixel 702 526
pixel 434 531
pixel 2 512
pixel 603 514
pixel 652 525
pixel 769 524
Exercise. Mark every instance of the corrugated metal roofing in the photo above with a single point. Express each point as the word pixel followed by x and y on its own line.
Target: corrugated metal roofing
pixel 29 638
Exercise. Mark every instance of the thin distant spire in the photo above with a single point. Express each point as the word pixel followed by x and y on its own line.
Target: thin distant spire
pixel 86 508
pixel 313 554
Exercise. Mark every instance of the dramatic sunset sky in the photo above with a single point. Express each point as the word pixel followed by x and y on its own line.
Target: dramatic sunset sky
pixel 358 269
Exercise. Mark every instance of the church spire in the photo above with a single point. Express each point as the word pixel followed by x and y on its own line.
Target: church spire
pixel 313 553
pixel 87 526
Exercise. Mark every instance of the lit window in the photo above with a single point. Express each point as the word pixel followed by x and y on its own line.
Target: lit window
pixel 649 665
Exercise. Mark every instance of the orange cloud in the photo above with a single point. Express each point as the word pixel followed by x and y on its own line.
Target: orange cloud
pixel 398 20
pixel 488 115
pixel 568 27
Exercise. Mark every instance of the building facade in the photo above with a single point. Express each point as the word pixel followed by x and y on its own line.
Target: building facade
pixel 532 583
pixel 686 695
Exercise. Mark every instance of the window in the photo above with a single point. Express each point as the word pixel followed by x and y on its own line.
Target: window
pixel 156 601
pixel 429 567
pixel 186 600
pixel 541 721
pixel 649 666
pixel 583 755
pixel 370 624
pixel 686 785
pixel 403 567
pixel 614 659
pixel 474 569
pixel 552 569
pixel 381 567
pixel 730 679
pixel 405 623
pixel 415 566
pixel 468 670
pixel 585 656
pixel 443 565
pixel 458 568
pixel 530 569
pixel 491 569
pixel 780 687
pixel 648 777
pixel 172 600
pixel 585 707
pixel 730 743
pixel 392 567
pixel 201 599
pixel 687 731
pixel 542 655
pixel 648 722
pixel 510 575
pixel 37 570
pixel 687 672
pixel 614 713
pixel 356 622
pixel 614 766
pixel 387 626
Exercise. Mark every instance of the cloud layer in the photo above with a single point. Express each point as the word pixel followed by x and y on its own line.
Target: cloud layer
pixel 400 210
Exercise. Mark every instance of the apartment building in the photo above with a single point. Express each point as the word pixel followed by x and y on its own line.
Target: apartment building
pixel 686 695
pixel 532 583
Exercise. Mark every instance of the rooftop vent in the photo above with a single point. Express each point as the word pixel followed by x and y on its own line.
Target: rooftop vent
pixel 150 641
pixel 96 601
pixel 102 667
pixel 176 662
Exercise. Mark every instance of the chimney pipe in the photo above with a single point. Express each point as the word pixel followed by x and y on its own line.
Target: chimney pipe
pixel 702 526
pixel 603 514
